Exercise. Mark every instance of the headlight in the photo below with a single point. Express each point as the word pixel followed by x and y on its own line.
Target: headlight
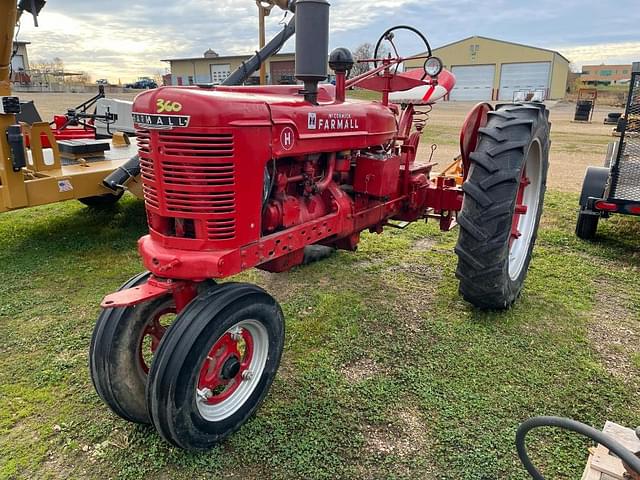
pixel 433 66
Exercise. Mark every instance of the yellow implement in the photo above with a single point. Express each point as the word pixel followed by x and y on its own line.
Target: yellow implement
pixel 45 178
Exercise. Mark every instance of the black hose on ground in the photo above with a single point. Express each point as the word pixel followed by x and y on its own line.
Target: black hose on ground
pixel 614 446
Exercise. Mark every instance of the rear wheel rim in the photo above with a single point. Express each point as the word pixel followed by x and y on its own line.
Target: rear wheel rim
pixel 232 370
pixel 525 215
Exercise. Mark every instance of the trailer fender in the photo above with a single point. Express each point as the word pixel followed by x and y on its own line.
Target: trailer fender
pixel 594 184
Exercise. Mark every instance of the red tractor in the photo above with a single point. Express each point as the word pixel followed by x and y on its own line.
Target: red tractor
pixel 237 177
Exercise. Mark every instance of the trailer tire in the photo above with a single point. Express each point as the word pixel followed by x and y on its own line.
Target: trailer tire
pixel 104 201
pixel 496 238
pixel 587 224
pixel 199 391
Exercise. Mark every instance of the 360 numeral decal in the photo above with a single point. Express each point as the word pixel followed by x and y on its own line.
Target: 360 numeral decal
pixel 168 106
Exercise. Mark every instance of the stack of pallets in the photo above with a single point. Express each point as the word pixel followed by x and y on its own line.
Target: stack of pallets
pixel 602 465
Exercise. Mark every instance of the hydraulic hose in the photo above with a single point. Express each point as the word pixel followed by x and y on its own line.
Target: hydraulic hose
pixel 614 446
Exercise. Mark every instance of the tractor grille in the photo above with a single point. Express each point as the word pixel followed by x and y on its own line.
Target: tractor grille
pixel 625 178
pixel 194 178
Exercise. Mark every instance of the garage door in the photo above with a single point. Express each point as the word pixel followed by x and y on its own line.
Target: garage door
pixel 473 82
pixel 282 72
pixel 524 77
pixel 219 73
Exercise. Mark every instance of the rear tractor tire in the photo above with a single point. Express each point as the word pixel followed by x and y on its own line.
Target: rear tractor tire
pixel 215 365
pixel 504 195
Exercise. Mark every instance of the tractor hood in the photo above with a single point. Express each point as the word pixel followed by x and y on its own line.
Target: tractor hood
pixel 298 125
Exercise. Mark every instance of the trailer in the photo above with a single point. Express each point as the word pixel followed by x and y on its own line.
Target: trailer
pixel 615 187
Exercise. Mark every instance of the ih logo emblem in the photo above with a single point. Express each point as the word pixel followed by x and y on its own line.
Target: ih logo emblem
pixel 286 138
pixel 313 121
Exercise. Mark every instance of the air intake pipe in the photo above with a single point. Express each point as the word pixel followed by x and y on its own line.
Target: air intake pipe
pixel 312 45
pixel 117 179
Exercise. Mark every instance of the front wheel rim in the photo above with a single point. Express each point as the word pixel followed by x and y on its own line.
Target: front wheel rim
pixel 525 215
pixel 232 369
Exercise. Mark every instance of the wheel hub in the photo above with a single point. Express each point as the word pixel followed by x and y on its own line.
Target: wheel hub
pixel 226 366
pixel 520 209
pixel 231 368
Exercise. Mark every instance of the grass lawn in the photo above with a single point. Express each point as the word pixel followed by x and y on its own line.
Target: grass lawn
pixel 387 373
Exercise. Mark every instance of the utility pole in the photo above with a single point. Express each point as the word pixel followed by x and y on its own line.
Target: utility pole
pixel 263 11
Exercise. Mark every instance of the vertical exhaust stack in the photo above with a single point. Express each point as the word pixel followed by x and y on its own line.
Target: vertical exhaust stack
pixel 312 45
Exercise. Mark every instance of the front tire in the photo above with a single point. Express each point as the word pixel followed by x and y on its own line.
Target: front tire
pixel 215 365
pixel 122 343
pixel 504 195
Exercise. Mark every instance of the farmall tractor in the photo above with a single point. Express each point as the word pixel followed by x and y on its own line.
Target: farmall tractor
pixel 237 177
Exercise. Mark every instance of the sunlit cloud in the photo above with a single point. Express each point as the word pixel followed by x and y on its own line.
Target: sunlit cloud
pixel 121 40
pixel 611 53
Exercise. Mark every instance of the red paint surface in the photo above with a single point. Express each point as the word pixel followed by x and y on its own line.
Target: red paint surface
pixel 204 184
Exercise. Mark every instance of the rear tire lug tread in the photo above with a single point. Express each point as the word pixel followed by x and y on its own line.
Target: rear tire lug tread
pixel 484 243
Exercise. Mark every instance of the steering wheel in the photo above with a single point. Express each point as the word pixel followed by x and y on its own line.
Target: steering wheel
pixel 388 36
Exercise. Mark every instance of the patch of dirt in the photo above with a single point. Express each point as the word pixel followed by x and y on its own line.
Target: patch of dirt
pixel 280 285
pixel 615 332
pixel 412 296
pixel 362 369
pixel 50 104
pixel 403 437
pixel 426 243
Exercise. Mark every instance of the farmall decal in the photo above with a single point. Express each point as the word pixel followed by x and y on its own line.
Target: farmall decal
pixel 332 121
pixel 160 122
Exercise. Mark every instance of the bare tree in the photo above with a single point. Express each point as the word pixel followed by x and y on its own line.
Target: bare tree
pixel 363 52
pixel 366 52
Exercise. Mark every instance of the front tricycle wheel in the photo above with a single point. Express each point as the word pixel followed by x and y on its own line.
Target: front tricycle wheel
pixel 215 365
pixel 123 343
pixel 504 195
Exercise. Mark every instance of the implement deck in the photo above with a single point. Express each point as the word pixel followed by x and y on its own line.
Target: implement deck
pixel 52 183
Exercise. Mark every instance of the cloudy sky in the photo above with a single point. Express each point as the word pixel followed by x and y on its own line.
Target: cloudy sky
pixel 121 40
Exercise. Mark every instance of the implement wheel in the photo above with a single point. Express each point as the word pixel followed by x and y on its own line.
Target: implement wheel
pixel 123 342
pixel 215 365
pixel 504 194
pixel 106 200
